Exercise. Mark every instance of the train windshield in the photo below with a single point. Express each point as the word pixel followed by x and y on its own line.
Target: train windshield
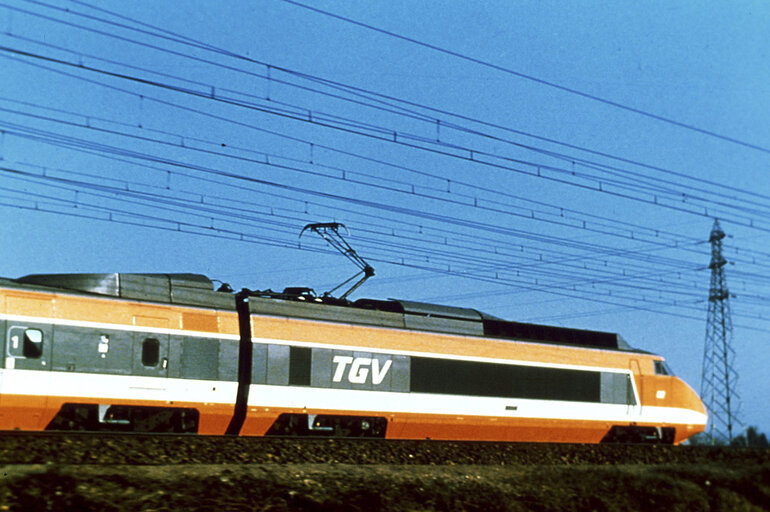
pixel 661 368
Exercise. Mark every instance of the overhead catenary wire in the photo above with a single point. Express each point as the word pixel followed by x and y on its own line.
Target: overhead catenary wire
pixel 537 80
pixel 191 41
pixel 611 170
pixel 184 139
pixel 519 233
pixel 740 221
pixel 219 233
pixel 540 170
pixel 499 265
pixel 89 126
pixel 164 34
pixel 478 265
pixel 264 160
pixel 578 257
pixel 595 281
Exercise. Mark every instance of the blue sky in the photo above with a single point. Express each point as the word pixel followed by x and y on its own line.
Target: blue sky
pixel 207 150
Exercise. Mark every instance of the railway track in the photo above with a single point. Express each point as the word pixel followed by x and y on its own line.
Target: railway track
pixel 136 449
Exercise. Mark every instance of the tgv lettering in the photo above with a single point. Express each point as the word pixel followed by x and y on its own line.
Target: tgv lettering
pixel 359 370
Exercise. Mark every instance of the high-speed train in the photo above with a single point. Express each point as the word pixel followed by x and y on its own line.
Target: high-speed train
pixel 168 353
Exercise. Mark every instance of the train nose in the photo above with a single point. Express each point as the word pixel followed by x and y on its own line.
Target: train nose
pixel 693 413
pixel 691 399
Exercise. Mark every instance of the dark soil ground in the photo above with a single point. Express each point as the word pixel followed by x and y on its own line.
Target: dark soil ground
pixel 121 473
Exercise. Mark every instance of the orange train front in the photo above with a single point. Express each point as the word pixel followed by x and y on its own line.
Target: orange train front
pixel 167 353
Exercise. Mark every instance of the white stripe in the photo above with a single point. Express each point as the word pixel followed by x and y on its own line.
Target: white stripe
pixel 655 414
pixel 126 387
pixel 114 387
pixel 457 405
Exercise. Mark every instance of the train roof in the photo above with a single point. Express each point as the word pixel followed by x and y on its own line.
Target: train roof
pixel 198 290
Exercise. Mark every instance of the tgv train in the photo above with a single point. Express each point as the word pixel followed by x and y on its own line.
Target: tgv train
pixel 168 353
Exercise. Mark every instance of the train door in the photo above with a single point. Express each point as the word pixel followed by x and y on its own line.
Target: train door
pixel 28 346
pixel 25 390
pixel 151 355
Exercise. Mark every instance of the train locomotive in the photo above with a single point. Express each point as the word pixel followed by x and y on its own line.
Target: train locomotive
pixel 169 353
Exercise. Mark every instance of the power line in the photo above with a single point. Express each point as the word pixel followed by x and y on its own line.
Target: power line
pixel 159 198
pixel 266 161
pixel 612 170
pixel 550 289
pixel 566 260
pixel 473 156
pixel 593 250
pixel 197 44
pixel 472 265
pixel 184 228
pixel 536 80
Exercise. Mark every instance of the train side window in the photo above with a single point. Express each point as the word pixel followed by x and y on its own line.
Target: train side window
pixel 661 368
pixel 150 352
pixel 300 359
pixel 33 343
pixel 630 398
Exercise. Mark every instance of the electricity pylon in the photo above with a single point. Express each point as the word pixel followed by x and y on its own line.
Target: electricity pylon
pixel 719 378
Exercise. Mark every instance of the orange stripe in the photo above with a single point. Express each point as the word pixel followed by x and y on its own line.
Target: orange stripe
pixel 23 412
pixel 34 413
pixel 471 428
pixel 115 311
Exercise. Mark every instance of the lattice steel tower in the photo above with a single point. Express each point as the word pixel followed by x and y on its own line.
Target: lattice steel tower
pixel 719 378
